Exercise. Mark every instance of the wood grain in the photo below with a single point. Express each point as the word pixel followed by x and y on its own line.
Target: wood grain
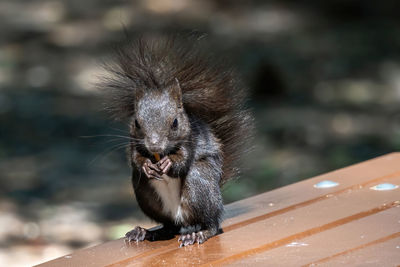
pixel 291 226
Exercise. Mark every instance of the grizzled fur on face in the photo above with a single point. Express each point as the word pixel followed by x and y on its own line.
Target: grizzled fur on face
pixel 160 121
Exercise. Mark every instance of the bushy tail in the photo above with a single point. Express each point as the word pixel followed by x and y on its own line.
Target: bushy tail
pixel 209 89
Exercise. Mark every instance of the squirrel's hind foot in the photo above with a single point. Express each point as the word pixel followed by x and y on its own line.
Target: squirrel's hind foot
pixel 190 239
pixel 137 234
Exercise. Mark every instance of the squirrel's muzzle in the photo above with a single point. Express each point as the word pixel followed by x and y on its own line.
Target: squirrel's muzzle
pixel 155 144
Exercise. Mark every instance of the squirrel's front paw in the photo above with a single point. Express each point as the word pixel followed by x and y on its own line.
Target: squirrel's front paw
pixel 151 170
pixel 190 239
pixel 165 164
pixel 137 234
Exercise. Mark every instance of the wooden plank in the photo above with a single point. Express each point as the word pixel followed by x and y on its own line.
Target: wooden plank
pixel 280 230
pixel 331 243
pixel 382 252
pixel 289 197
pixel 250 222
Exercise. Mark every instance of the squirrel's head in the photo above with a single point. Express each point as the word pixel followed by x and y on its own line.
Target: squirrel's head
pixel 160 121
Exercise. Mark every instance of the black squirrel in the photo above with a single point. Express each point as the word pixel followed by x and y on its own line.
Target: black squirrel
pixel 188 127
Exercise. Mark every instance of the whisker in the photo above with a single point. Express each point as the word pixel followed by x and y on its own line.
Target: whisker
pixel 119 130
pixel 108 151
pixel 112 135
pixel 105 135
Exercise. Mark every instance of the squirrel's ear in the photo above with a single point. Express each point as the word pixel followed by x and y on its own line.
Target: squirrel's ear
pixel 176 92
pixel 138 95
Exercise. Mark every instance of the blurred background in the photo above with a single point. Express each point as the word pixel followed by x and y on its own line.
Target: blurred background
pixel 324 81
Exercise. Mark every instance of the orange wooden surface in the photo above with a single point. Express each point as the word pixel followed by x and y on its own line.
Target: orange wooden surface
pixel 296 225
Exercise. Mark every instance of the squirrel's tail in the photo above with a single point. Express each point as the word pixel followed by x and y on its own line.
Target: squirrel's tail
pixel 235 131
pixel 209 90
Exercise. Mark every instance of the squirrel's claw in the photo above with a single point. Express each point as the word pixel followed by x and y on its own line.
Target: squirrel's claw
pixel 137 234
pixel 165 164
pixel 190 239
pixel 151 170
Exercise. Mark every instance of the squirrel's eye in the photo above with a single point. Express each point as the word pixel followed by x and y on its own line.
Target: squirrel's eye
pixel 137 124
pixel 175 124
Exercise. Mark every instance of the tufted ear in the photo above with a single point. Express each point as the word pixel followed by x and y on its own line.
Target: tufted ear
pixel 138 95
pixel 176 92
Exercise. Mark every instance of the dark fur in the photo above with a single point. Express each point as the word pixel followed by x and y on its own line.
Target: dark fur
pixel 218 121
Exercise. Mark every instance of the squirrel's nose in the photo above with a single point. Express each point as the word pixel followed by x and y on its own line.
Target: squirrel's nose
pixel 154 140
pixel 154 144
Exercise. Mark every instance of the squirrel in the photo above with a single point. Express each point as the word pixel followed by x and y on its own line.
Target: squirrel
pixel 188 128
